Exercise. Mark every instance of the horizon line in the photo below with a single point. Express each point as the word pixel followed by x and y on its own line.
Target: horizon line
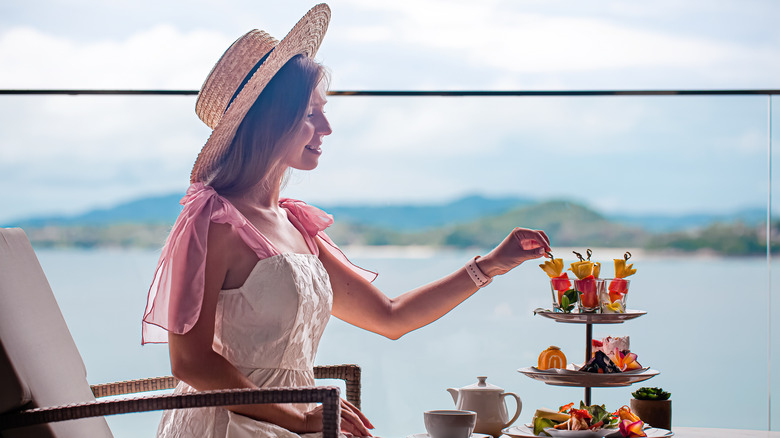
pixel 409 93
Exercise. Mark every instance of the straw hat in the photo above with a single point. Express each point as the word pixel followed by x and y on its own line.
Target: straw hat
pixel 240 76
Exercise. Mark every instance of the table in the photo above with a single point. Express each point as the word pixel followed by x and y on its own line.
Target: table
pixel 703 432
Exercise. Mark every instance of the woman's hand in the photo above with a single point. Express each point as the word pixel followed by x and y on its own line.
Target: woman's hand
pixel 520 245
pixel 352 420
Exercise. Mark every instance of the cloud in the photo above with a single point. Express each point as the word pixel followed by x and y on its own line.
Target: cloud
pixel 97 149
pixel 412 44
pixel 65 153
pixel 158 57
pixel 516 45
pixel 424 128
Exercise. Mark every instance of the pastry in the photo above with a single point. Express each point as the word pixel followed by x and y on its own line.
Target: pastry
pixel 552 357
pixel 609 344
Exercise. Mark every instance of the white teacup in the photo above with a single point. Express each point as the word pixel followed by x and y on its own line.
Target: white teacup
pixel 450 423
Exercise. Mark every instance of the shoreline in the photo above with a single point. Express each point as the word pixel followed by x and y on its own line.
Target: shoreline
pixel 430 251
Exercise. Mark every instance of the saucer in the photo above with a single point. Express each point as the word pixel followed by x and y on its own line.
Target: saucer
pixel 526 431
pixel 602 433
pixel 425 435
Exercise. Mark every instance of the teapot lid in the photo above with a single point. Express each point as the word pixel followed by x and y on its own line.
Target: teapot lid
pixel 481 385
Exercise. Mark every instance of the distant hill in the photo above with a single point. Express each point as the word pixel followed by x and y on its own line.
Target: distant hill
pixel 472 221
pixel 419 217
pixel 567 223
pixel 664 223
pixel 152 210
pixel 165 209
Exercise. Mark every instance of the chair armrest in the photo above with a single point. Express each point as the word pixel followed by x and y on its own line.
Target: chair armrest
pixel 329 396
pixel 349 373
pixel 134 386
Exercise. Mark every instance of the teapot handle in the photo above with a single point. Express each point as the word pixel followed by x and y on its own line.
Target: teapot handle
pixel 519 407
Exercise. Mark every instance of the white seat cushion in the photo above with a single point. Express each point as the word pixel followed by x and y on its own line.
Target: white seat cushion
pixel 39 348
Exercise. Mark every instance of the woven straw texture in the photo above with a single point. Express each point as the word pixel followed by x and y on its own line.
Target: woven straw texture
pixel 229 72
pixel 349 373
pixel 327 395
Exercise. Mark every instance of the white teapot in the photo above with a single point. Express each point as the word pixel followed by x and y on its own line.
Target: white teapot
pixel 488 402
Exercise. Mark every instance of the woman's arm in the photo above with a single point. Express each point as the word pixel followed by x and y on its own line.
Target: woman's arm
pixel 194 361
pixel 360 303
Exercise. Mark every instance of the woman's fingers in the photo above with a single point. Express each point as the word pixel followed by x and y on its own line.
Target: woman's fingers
pixel 357 412
pixel 353 421
pixel 546 239
pixel 532 239
pixel 350 422
pixel 533 243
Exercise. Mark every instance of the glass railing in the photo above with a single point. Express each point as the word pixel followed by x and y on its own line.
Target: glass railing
pixel 682 180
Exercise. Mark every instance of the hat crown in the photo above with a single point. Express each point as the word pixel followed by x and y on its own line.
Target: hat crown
pixel 229 73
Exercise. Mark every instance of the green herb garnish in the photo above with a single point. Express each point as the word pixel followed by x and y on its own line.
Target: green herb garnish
pixel 568 300
pixel 651 394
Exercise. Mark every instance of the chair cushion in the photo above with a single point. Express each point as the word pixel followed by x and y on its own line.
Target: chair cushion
pixel 43 366
pixel 14 393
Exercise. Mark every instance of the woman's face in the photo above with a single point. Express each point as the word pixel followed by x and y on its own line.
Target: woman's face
pixel 304 149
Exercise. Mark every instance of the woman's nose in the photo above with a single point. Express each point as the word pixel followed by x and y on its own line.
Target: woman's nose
pixel 323 127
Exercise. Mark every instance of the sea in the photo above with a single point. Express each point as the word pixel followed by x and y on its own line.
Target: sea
pixel 710 330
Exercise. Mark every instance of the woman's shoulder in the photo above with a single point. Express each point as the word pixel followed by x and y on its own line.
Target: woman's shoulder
pixel 221 232
pixel 227 245
pixel 208 220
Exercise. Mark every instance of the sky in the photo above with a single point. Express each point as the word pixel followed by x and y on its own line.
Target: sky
pixel 660 154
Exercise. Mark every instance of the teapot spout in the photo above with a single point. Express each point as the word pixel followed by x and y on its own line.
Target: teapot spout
pixel 454 393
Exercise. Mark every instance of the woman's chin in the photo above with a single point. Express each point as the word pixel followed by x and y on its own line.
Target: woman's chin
pixel 310 164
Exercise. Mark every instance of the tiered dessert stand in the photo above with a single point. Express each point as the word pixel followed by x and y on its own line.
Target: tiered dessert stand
pixel 569 377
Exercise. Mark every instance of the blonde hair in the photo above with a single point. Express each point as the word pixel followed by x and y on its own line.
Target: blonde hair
pixel 255 152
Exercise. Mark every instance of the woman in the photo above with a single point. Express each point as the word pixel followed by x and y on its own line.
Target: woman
pixel 247 281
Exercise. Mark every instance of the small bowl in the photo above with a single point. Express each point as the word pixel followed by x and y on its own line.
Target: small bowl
pixel 450 423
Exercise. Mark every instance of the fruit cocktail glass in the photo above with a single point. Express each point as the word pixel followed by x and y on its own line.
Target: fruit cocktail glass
pixel 589 289
pixel 613 297
pixel 562 302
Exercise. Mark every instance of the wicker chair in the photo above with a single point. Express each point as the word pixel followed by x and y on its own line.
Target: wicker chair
pixel 43 378
pixel 349 373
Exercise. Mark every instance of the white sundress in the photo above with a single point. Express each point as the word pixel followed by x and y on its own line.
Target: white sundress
pixel 269 328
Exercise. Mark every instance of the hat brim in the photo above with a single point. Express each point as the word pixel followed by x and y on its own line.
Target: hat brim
pixel 304 39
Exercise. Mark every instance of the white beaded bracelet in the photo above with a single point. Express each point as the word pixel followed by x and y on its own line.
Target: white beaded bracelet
pixel 476 274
